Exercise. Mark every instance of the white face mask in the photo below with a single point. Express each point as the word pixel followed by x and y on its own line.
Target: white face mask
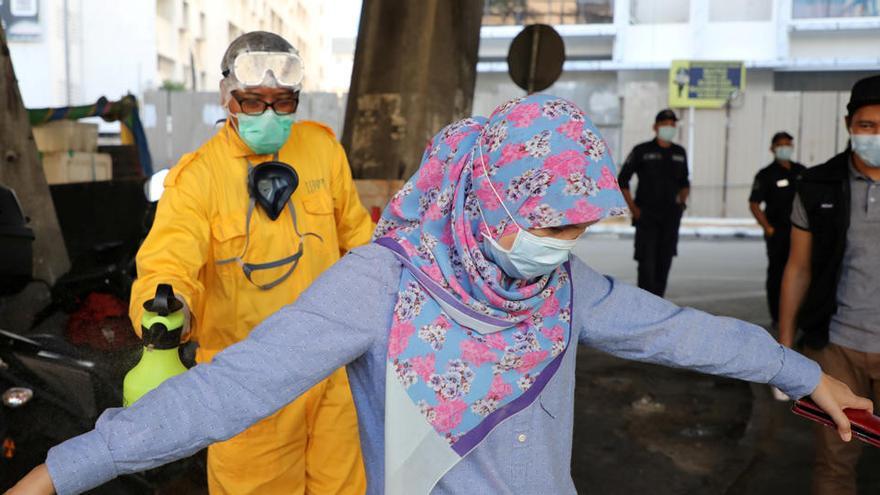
pixel 783 153
pixel 867 146
pixel 530 256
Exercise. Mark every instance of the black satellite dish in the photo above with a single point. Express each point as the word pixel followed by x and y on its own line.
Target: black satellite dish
pixel 535 59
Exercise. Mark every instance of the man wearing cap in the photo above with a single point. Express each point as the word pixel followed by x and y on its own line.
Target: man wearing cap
pixel 774 187
pixel 245 224
pixel 831 281
pixel 663 187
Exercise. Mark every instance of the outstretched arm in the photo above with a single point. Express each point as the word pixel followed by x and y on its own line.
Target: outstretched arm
pixel 633 324
pixel 331 324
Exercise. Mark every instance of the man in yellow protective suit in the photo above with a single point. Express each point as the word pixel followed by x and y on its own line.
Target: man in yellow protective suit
pixel 244 225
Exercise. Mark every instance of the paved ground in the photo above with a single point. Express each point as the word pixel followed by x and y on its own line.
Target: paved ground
pixel 645 429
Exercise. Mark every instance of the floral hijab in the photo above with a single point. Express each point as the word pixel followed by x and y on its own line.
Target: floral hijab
pixel 469 346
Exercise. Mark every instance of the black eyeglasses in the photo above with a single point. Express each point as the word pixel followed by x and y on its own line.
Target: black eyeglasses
pixel 256 106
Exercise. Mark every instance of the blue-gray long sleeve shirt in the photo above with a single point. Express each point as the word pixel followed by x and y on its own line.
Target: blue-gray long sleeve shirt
pixel 343 319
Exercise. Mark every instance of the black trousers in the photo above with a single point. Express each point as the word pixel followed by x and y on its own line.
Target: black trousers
pixel 656 244
pixel 777 257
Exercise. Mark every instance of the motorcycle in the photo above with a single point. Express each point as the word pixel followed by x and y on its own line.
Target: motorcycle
pixel 53 390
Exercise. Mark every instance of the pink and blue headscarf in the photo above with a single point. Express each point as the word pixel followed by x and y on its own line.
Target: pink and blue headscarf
pixel 469 346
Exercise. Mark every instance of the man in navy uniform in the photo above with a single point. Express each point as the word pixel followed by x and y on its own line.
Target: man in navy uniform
pixel 774 187
pixel 661 197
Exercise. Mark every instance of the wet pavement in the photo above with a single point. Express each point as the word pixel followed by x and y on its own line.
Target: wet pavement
pixel 646 429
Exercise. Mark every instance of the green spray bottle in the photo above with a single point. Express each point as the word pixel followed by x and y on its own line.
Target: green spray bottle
pixel 161 327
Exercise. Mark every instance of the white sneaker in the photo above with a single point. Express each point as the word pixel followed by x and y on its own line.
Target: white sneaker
pixel 778 395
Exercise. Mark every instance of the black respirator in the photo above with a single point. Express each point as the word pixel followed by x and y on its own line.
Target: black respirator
pixel 270 185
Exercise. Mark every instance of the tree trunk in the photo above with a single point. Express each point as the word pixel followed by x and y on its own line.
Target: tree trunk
pixel 20 169
pixel 414 72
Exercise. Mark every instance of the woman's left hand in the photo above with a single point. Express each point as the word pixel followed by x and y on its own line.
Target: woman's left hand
pixel 833 396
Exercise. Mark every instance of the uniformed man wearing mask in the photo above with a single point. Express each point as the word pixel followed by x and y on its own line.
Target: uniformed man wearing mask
pixel 661 198
pixel 774 187
pixel 246 223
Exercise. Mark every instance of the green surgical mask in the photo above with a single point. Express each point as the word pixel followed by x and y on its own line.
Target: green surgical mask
pixel 264 133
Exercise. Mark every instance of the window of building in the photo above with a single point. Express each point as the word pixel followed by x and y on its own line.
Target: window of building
pixel 186 15
pixel 740 10
pixel 817 9
pixel 275 21
pixel 233 31
pixel 165 9
pixel 522 12
pixel 654 12
pixel 831 80
pixel 166 68
pixel 23 8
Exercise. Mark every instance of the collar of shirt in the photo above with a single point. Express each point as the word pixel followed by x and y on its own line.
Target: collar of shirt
pixel 794 168
pixel 855 174
pixel 656 143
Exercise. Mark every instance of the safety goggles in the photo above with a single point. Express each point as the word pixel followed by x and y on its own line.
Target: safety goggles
pixel 251 69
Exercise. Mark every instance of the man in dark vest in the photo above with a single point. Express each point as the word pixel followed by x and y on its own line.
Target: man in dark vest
pixel 832 278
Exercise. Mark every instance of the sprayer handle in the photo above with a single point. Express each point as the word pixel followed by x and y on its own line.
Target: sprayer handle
pixel 163 300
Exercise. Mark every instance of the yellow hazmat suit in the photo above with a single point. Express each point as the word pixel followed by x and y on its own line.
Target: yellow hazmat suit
pixel 312 445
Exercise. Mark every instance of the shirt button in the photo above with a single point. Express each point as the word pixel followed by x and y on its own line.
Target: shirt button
pixel 521 437
pixel 873 199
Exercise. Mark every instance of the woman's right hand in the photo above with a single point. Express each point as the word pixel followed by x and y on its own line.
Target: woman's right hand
pixel 37 482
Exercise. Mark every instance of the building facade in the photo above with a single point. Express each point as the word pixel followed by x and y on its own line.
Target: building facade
pixel 192 36
pixel 74 51
pixel 801 56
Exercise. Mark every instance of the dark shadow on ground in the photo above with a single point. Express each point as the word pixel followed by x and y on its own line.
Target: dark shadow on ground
pixel 646 429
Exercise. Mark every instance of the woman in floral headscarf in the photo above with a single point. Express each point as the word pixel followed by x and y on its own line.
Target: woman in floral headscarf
pixel 457 327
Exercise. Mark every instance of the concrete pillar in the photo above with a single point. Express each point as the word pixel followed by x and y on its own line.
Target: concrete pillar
pixel 20 169
pixel 414 72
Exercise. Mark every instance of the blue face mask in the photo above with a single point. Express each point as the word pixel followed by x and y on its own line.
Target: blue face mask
pixel 264 133
pixel 530 256
pixel 783 153
pixel 867 146
pixel 667 132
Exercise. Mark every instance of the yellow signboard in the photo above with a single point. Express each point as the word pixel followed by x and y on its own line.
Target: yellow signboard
pixel 704 84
